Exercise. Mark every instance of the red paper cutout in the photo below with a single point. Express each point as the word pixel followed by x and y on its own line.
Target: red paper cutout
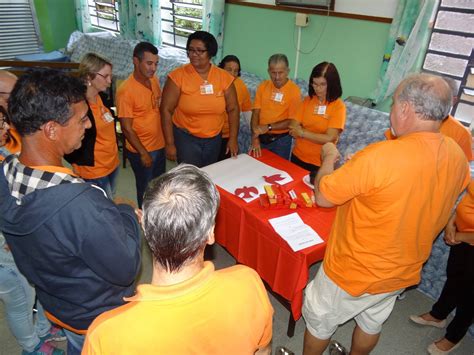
pixel 273 179
pixel 246 191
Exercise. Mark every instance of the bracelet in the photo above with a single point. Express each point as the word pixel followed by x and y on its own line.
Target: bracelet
pixel 269 126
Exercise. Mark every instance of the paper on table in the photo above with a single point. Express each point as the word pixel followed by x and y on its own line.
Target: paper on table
pixel 244 173
pixel 296 233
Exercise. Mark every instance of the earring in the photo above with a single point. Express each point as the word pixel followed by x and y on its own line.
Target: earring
pixel 89 83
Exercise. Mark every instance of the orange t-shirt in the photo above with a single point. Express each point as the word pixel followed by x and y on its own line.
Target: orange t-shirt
pixel 451 127
pixel 277 104
pixel 201 114
pixel 14 143
pixel 307 115
pixel 465 211
pixel 243 96
pixel 215 312
pixel 394 198
pixel 139 103
pixel 106 157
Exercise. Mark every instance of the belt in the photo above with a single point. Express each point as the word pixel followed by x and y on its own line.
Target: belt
pixel 269 138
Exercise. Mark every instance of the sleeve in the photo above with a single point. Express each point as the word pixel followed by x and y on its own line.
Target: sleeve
pixel 465 142
pixel 246 104
pixel 299 115
pixel 257 104
pixel 295 102
pixel 226 79
pixel 109 239
pixel 177 77
pixel 358 176
pixel 124 102
pixel 338 117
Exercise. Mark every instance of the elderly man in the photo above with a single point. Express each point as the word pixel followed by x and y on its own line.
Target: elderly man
pixel 394 198
pixel 138 101
pixel 79 250
pixel 189 307
pixel 276 102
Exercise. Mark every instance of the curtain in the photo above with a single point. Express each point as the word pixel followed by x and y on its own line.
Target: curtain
pixel 213 22
pixel 408 39
pixel 82 16
pixel 140 20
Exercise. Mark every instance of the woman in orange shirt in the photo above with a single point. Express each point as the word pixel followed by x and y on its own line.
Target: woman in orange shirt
pixel 231 64
pixel 320 118
pixel 97 160
pixel 197 98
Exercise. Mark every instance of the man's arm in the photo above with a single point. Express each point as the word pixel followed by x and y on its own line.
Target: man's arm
pixel 169 101
pixel 255 149
pixel 233 114
pixel 132 138
pixel 329 155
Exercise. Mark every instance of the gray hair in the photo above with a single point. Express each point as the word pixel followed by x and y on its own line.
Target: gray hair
pixel 278 58
pixel 429 95
pixel 179 211
pixel 452 84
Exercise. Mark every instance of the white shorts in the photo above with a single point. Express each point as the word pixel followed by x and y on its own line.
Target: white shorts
pixel 326 306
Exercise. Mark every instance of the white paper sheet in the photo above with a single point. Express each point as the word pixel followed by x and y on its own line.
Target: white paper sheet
pixel 244 173
pixel 296 233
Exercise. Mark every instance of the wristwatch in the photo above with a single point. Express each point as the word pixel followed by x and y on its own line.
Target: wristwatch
pixel 269 126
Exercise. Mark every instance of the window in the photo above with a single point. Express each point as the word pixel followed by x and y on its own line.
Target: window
pixel 104 14
pixel 178 20
pixel 19 32
pixel 452 40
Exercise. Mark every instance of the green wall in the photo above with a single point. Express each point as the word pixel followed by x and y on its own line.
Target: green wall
pixel 355 46
pixel 57 21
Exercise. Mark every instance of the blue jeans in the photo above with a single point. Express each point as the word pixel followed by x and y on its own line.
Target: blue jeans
pixel 281 146
pixel 75 342
pixel 107 183
pixel 194 150
pixel 18 297
pixel 144 175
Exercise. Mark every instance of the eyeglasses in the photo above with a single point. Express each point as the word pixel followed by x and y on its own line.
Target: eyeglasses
pixel 108 76
pixel 196 51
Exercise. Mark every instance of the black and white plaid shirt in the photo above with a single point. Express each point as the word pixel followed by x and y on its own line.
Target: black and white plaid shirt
pixel 23 180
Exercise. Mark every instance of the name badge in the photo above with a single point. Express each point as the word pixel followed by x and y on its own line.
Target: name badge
pixel 277 96
pixel 106 115
pixel 206 89
pixel 320 110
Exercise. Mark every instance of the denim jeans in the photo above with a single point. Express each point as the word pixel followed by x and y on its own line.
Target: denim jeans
pixel 281 146
pixel 75 342
pixel 18 297
pixel 194 150
pixel 144 175
pixel 107 183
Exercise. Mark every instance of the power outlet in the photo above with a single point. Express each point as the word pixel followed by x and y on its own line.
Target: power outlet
pixel 302 20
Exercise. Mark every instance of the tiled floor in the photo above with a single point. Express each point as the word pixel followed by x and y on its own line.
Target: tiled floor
pixel 399 335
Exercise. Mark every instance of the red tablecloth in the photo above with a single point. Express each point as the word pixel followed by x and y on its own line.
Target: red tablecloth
pixel 243 229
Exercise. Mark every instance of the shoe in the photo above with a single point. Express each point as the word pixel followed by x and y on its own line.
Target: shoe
pixel 55 334
pixel 421 321
pixel 44 348
pixel 337 349
pixel 434 350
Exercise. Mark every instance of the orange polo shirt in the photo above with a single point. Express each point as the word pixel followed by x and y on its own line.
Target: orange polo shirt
pixel 465 211
pixel 451 127
pixel 394 198
pixel 201 114
pixel 307 115
pixel 243 96
pixel 277 104
pixel 106 157
pixel 139 103
pixel 215 312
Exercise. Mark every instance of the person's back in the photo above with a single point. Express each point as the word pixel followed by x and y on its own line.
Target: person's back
pixel 188 307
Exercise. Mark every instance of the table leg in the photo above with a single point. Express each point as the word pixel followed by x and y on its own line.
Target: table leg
pixel 291 326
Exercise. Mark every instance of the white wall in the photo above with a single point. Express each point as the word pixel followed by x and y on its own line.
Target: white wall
pixel 380 8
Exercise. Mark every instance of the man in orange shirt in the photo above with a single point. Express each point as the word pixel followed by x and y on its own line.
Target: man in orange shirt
pixel 189 308
pixel 394 198
pixel 276 103
pixel 138 100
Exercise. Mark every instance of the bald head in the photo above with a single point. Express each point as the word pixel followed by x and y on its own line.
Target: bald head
pixel 430 96
pixel 7 82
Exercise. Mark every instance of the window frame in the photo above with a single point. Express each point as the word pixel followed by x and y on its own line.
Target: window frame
pixel 113 5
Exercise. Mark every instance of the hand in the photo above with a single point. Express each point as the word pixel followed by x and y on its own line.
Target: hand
pixel 170 150
pixel 232 147
pixel 146 159
pixel 330 152
pixel 125 201
pixel 296 131
pixel 255 149
pixel 450 232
